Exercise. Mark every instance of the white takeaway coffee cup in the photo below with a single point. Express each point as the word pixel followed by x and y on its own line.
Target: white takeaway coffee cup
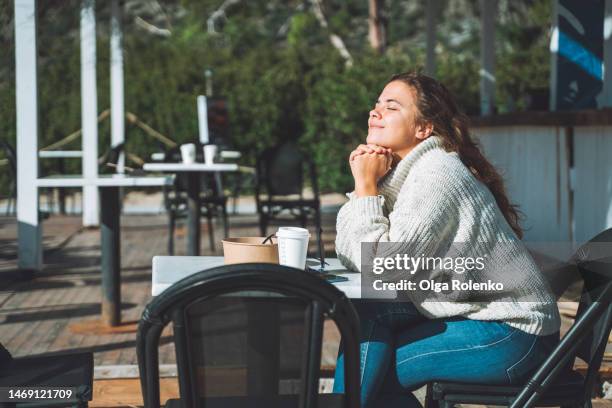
pixel 188 153
pixel 210 151
pixel 292 246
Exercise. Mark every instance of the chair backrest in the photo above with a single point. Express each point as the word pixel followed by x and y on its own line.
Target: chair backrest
pixel 280 170
pixel 588 336
pixel 594 263
pixel 251 324
pixel 218 121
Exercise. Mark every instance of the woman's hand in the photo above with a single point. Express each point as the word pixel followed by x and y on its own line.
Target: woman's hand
pixel 368 164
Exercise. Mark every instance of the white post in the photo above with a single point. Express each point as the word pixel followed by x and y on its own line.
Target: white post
pixel 487 56
pixel 89 112
pixel 607 56
pixel 554 55
pixel 431 16
pixel 28 228
pixel 203 119
pixel 116 78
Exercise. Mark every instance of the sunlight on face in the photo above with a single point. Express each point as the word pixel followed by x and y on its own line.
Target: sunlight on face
pixel 392 121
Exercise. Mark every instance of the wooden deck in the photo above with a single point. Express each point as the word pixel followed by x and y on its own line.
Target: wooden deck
pixel 57 309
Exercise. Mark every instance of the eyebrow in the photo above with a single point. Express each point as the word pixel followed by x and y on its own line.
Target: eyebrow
pixel 390 100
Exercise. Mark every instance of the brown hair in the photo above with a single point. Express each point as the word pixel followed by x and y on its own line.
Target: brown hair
pixel 437 106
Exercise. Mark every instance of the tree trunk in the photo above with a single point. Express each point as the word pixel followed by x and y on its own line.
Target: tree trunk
pixel 377 26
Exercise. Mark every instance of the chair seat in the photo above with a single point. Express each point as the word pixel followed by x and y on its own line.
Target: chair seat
pixel 565 391
pixel 70 370
pixel 280 401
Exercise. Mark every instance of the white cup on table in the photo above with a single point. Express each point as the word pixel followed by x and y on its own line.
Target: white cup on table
pixel 292 246
pixel 188 153
pixel 210 152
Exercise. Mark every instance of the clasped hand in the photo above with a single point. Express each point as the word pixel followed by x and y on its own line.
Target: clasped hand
pixel 369 163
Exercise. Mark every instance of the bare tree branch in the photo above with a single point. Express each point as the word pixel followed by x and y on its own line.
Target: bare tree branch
pixel 282 31
pixel 162 32
pixel 335 39
pixel 218 14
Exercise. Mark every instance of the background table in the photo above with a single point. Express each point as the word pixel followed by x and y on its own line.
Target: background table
pixel 193 172
pixel 110 237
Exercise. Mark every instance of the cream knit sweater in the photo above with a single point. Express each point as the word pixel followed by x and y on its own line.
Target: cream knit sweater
pixel 431 201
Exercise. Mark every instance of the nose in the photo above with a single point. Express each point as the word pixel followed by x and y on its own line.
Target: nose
pixel 375 114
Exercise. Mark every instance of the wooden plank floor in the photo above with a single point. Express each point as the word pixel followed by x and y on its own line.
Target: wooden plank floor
pixel 48 313
pixel 126 393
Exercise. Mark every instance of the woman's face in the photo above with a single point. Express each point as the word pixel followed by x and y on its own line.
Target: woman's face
pixel 392 122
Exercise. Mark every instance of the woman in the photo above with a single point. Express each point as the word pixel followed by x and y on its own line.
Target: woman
pixel 422 184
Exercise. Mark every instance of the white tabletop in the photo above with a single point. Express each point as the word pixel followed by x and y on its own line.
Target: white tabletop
pixel 178 167
pixel 111 180
pixel 60 154
pixel 170 269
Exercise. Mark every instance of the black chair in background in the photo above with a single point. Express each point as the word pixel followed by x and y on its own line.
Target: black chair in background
pixel 555 383
pixel 73 370
pixel 280 175
pixel 213 203
pixel 213 200
pixel 248 335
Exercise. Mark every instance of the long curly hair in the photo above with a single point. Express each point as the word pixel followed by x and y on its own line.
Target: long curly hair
pixel 437 107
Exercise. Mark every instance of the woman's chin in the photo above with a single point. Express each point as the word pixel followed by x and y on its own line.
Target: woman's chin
pixel 375 139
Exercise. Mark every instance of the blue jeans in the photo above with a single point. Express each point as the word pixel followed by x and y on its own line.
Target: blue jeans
pixel 401 350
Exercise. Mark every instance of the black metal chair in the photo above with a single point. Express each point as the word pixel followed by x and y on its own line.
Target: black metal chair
pixel 73 370
pixel 248 335
pixel 213 201
pixel 280 175
pixel 555 383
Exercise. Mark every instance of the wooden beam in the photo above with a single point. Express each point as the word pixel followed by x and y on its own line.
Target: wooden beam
pixel 487 56
pixel 89 112
pixel 26 101
pixel 116 77
pixel 590 117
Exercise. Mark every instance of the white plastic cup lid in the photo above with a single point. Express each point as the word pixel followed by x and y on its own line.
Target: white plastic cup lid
pixel 292 232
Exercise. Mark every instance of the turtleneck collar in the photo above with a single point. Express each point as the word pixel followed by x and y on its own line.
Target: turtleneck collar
pixel 390 185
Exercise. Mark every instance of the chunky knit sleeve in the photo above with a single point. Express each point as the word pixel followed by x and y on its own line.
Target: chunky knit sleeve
pixel 423 219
